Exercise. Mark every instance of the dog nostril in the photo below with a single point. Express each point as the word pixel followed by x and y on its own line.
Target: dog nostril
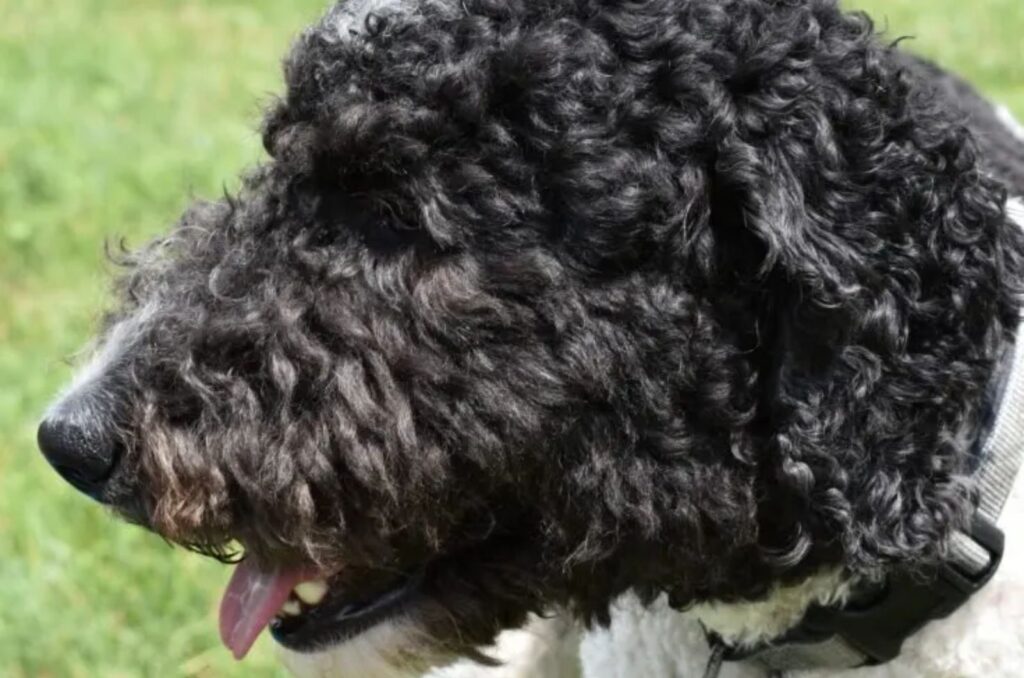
pixel 81 454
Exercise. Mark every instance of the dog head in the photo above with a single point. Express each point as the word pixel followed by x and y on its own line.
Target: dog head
pixel 537 302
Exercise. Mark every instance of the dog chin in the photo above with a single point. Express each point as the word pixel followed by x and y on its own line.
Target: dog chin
pixel 392 649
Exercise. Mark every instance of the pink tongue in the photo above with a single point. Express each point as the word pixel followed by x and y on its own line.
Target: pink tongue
pixel 251 600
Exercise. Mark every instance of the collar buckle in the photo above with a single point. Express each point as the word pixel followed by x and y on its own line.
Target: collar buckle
pixel 909 600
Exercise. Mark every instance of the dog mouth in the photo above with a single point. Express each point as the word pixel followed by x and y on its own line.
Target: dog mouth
pixel 302 609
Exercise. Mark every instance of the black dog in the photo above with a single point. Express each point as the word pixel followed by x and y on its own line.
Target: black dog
pixel 540 302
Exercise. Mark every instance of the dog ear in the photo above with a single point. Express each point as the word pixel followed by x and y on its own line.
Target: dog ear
pixel 884 278
pixel 791 283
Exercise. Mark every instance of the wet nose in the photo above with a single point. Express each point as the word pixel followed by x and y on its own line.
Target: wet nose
pixel 80 450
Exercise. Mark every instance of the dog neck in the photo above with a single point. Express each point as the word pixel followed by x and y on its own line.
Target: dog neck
pixel 747 624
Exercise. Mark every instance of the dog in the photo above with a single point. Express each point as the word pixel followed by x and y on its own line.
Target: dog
pixel 588 337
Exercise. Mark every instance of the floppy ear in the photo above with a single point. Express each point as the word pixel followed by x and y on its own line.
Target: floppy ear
pixel 885 280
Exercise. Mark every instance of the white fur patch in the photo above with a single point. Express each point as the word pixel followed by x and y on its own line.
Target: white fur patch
pixel 1015 210
pixel 1008 119
pixel 544 648
pixel 748 624
pixel 117 342
pixel 651 642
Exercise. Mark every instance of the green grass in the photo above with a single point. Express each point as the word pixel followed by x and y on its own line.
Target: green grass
pixel 112 112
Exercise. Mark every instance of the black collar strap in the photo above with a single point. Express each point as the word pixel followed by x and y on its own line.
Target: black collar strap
pixel 872 629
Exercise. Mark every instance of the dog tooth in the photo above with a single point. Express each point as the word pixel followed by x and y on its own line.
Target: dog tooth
pixel 311 592
pixel 292 608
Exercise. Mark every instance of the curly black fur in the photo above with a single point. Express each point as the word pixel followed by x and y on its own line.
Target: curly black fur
pixel 565 298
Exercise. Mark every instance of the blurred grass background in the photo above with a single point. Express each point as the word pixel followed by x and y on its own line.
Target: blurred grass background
pixel 112 113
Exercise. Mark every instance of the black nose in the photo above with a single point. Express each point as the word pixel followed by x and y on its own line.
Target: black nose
pixel 80 451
